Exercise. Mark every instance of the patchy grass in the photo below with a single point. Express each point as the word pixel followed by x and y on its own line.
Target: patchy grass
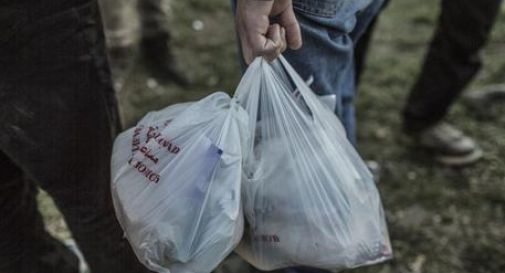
pixel 440 219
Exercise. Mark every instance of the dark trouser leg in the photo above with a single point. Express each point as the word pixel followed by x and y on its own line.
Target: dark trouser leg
pixel 25 246
pixel 452 60
pixel 119 26
pixel 57 122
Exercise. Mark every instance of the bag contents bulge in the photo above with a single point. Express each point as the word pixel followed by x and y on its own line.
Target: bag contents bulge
pixel 176 182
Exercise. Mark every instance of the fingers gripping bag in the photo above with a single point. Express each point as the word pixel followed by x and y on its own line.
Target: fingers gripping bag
pixel 176 183
pixel 308 198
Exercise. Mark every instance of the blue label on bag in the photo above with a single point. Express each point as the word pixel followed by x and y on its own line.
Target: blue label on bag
pixel 210 159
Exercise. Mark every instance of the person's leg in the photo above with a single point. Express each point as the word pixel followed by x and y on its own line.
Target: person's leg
pixel 327 54
pixel 121 24
pixel 451 63
pixel 155 42
pixel 452 60
pixel 361 47
pixel 57 121
pixel 25 246
pixel 364 18
pixel 329 30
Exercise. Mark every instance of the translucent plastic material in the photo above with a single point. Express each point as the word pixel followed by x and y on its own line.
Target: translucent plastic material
pixel 308 197
pixel 177 182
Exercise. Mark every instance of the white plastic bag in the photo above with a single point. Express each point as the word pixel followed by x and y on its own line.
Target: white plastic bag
pixel 176 182
pixel 308 197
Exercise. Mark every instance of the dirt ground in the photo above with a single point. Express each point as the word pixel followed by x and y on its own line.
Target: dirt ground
pixel 440 219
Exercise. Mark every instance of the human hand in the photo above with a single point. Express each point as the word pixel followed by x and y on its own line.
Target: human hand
pixel 258 37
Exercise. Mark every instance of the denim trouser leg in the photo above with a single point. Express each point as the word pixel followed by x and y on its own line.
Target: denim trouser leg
pixel 329 34
pixel 327 55
pixel 329 31
pixel 364 18
pixel 361 47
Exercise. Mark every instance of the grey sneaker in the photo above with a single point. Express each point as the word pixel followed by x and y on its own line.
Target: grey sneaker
pixel 450 146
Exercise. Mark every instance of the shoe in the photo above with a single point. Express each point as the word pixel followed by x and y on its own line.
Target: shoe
pixel 450 146
pixel 160 60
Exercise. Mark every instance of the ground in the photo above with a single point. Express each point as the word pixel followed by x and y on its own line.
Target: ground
pixel 440 219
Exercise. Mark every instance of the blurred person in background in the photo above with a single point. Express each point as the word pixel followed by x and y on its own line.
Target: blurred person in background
pixel 155 39
pixel 452 61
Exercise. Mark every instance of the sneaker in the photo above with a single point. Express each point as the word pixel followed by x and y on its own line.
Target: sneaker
pixel 160 60
pixel 450 146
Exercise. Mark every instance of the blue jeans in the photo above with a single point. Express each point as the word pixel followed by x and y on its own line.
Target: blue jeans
pixel 330 29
